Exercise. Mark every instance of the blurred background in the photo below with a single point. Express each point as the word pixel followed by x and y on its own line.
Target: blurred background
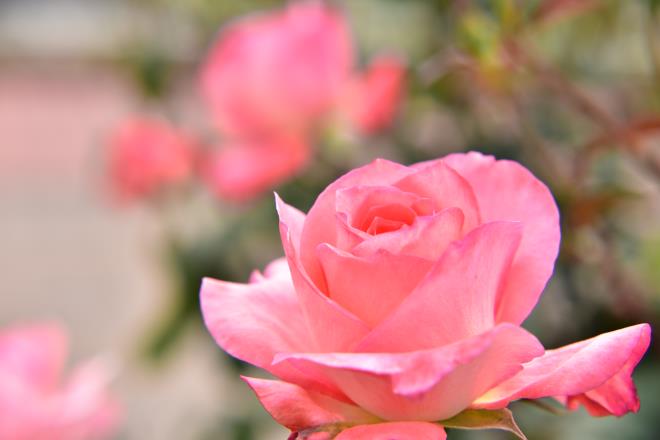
pixel 570 88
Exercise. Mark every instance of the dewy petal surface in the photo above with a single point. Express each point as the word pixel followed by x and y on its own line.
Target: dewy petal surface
pixel 332 327
pixel 597 369
pixel 394 430
pixel 506 190
pixel 300 409
pixel 427 385
pixel 457 298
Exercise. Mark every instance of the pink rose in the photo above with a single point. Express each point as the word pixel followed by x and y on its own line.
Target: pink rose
pixel 147 155
pixel 373 97
pixel 242 169
pixel 400 301
pixel 277 72
pixel 35 404
pixel 285 75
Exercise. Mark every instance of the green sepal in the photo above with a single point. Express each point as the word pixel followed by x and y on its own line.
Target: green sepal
pixel 484 419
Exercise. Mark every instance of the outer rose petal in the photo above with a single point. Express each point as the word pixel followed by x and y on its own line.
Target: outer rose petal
pixel 244 169
pixel 373 97
pixel 255 321
pixel 457 298
pixel 332 327
pixel 596 372
pixel 299 409
pixel 506 190
pixel 395 430
pixel 277 71
pixel 427 385
pixel 320 226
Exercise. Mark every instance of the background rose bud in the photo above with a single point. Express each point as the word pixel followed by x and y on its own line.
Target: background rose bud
pixel 401 299
pixel 35 403
pixel 148 155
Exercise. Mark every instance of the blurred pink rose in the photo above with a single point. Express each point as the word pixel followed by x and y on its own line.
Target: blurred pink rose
pixel 278 71
pixel 373 97
pixel 242 169
pixel 148 155
pixel 35 404
pixel 285 74
pixel 401 297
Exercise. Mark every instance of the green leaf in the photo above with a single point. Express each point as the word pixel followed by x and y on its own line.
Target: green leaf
pixel 484 419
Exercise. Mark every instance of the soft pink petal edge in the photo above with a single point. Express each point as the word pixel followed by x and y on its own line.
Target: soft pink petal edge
pixel 596 372
pixel 299 409
pixel 505 190
pixel 255 321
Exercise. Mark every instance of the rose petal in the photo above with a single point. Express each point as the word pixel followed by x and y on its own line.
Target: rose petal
pixel 145 155
pixel 445 187
pixel 596 370
pixel 243 169
pixel 255 321
pixel 426 385
pixel 359 203
pixel 277 72
pixel 427 237
pixel 372 98
pixel 332 327
pixel 394 430
pixel 320 226
pixel 507 191
pixel 373 286
pixel 457 298
pixel 299 409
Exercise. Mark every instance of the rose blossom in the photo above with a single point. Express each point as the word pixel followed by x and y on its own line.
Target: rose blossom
pixel 284 75
pixel 242 169
pixel 400 300
pixel 147 155
pixel 371 99
pixel 35 404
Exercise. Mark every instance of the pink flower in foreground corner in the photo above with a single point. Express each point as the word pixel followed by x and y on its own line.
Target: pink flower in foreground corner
pixel 147 155
pixel 397 309
pixel 35 404
pixel 287 74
